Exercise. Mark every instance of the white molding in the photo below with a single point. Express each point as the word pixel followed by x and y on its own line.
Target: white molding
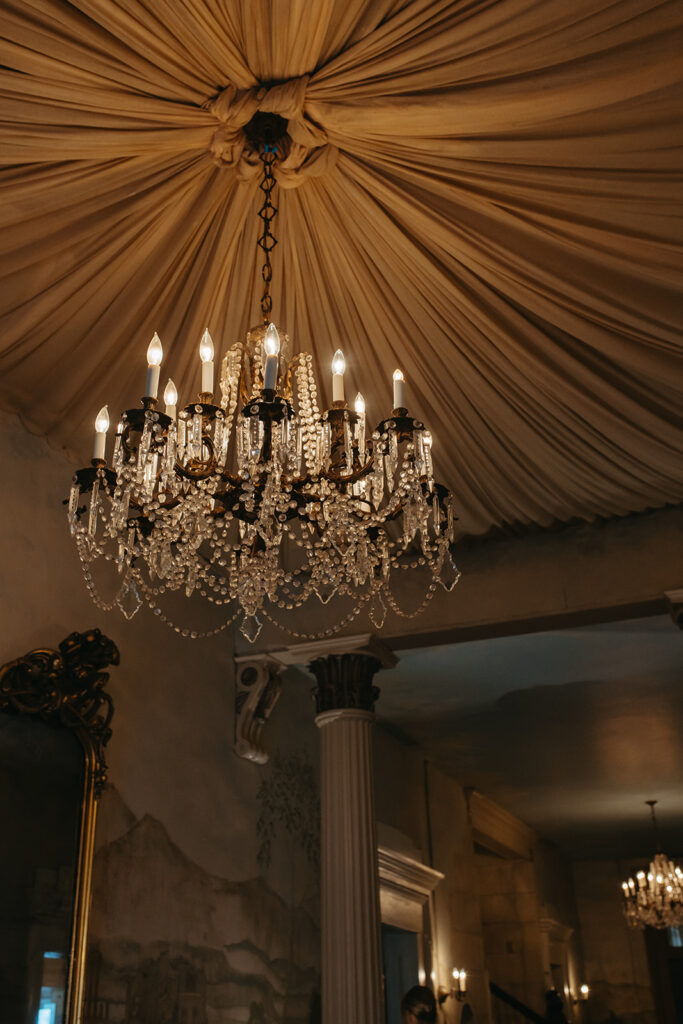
pixel 404 888
pixel 497 830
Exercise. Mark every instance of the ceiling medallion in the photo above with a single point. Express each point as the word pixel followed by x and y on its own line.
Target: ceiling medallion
pixel 655 898
pixel 260 501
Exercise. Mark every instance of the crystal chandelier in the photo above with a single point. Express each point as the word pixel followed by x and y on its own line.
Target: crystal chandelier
pixel 655 897
pixel 260 501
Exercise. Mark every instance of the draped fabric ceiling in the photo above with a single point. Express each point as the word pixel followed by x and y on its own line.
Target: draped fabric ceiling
pixel 485 193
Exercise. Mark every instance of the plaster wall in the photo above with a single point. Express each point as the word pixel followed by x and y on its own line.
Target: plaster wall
pixel 430 810
pixel 615 955
pixel 179 873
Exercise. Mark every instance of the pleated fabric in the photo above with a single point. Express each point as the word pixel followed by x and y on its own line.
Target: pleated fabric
pixel 486 193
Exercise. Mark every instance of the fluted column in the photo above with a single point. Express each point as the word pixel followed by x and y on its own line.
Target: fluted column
pixel 351 949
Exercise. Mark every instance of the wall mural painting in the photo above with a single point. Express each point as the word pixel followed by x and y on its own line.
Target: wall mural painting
pixel 173 944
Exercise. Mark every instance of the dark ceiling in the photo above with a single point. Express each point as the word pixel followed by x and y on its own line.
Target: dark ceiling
pixel 570 730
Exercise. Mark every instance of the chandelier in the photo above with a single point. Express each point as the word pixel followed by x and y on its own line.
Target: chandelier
pixel 655 897
pixel 260 500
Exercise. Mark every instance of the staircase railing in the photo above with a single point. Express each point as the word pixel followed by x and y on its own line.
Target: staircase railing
pixel 515 1004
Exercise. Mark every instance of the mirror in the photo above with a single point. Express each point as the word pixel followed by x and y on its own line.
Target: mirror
pixel 54 724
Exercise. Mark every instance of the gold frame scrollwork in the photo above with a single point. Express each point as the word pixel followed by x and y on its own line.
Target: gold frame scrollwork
pixel 66 687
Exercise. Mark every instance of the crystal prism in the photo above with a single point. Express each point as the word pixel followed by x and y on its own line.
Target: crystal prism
pixel 250 628
pixel 129 599
pixel 378 610
pixel 450 574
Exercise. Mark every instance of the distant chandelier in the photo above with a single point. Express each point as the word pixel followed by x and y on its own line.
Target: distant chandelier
pixel 261 501
pixel 655 897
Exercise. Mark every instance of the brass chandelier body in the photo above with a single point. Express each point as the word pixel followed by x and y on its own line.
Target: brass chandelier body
pixel 260 501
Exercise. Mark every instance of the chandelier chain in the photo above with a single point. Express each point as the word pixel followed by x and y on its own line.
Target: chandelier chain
pixel 267 240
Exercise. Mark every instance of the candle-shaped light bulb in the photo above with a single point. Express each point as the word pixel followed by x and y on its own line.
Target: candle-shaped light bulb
pixel 206 347
pixel 399 390
pixel 359 405
pixel 171 398
pixel 206 356
pixel 338 362
pixel 271 342
pixel 271 346
pixel 585 991
pixel 456 973
pixel 155 354
pixel 338 367
pixel 102 420
pixel 101 428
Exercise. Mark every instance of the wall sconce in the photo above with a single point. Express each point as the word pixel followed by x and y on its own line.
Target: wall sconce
pixel 584 992
pixel 459 989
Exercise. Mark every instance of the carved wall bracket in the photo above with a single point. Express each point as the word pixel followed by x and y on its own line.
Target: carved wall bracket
pixel 67 687
pixel 258 689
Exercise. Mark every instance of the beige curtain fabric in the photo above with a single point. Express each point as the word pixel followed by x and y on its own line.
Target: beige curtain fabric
pixel 485 193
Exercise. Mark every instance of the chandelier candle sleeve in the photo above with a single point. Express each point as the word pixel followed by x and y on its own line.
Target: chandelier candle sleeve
pixel 155 354
pixel 399 390
pixel 171 399
pixel 206 356
pixel 101 428
pixel 338 368
pixel 271 346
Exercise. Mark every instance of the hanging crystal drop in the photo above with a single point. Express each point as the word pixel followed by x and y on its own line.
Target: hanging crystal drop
pixel 378 610
pixel 94 507
pixel 250 628
pixel 74 495
pixel 449 573
pixel 129 600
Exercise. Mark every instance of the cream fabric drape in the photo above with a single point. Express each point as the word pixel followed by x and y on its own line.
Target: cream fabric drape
pixel 485 193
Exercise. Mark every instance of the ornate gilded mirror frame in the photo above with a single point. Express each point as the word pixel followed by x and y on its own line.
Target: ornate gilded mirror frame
pixel 66 687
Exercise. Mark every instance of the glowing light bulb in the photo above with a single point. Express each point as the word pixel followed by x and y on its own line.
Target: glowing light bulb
pixel 170 393
pixel 399 390
pixel 271 342
pixel 338 362
pixel 360 405
pixel 155 352
pixel 456 973
pixel 585 991
pixel 338 367
pixel 170 398
pixel 102 420
pixel 206 347
pixel 271 346
pixel 206 356
pixel 101 428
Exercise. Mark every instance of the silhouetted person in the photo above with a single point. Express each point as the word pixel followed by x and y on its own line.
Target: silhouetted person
pixel 418 1006
pixel 554 1008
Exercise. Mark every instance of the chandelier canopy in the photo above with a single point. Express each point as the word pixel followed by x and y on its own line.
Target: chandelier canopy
pixel 655 898
pixel 261 500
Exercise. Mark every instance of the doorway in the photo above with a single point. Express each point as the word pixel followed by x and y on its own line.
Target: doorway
pixel 400 962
